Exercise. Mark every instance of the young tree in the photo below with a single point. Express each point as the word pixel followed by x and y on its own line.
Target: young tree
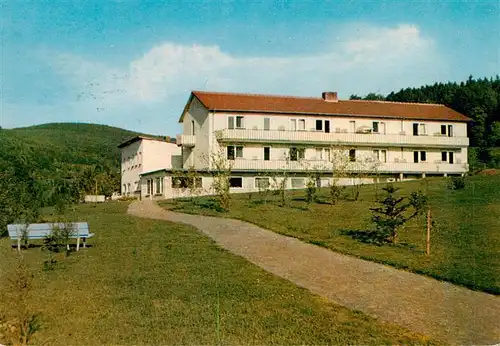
pixel 393 212
pixel 339 160
pixel 221 171
pixel 280 180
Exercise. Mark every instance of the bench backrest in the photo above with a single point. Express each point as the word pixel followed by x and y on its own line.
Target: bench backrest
pixel 41 230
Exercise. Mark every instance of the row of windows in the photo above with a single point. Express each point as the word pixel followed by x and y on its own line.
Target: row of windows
pixel 297 153
pixel 131 162
pixel 421 156
pixel 127 188
pixel 299 124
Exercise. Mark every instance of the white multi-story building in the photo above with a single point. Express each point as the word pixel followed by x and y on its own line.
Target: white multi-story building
pixel 261 135
pixel 144 154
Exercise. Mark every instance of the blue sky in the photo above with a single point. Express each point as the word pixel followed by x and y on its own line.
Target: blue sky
pixel 132 64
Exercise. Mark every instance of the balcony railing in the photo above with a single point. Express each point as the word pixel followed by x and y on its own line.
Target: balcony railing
pixel 186 140
pixel 323 166
pixel 318 137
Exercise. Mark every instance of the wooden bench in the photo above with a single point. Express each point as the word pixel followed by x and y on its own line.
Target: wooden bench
pixel 79 230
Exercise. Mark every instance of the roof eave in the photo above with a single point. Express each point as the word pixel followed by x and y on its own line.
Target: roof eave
pixel 339 114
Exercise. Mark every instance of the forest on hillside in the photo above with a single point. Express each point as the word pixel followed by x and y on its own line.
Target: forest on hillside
pixel 479 99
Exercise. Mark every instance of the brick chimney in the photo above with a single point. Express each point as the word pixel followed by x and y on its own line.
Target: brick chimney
pixel 330 96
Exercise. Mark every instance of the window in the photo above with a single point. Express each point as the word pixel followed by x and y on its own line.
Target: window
pixel 158 186
pixel 450 130
pixel 302 124
pixel 415 129
pixel 234 152
pixel 419 129
pixel 327 126
pixel 236 182
pixel 375 126
pixel 267 153
pixel 186 182
pixel 297 182
pixel 380 155
pixel 352 126
pixel 319 125
pixel 267 124
pixel 443 129
pixel 444 156
pixel 124 188
pixel 238 122
pixel 296 154
pixel 327 154
pixel 262 183
pixel 415 156
pixel 319 154
pixel 423 156
pixel 352 155
pixel 128 188
pixel 297 124
pixel 192 128
pixel 450 157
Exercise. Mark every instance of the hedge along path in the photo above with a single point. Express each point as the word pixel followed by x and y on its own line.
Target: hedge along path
pixel 440 310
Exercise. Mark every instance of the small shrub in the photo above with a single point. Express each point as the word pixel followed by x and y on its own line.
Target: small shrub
pixel 49 265
pixel 127 198
pixel 310 191
pixel 21 323
pixel 336 193
pixel 456 183
pixel 58 239
pixel 211 204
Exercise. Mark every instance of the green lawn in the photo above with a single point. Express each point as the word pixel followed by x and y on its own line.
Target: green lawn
pixel 465 246
pixel 154 282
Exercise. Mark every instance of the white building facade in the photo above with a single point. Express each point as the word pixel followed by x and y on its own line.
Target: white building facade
pixel 143 154
pixel 261 135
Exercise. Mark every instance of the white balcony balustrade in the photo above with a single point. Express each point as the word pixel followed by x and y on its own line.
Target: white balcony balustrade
pixel 324 166
pixel 186 140
pixel 336 138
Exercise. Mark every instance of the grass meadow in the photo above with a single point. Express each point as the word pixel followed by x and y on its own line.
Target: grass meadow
pixel 153 282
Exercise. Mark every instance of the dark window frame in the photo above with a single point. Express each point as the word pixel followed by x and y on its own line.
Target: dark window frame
pixel 232 181
pixel 319 125
pixel 267 153
pixel 352 155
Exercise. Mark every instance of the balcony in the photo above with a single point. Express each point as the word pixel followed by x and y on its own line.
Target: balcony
pixel 323 166
pixel 337 138
pixel 186 140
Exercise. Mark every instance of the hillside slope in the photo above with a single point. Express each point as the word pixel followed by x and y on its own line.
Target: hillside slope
pixel 64 143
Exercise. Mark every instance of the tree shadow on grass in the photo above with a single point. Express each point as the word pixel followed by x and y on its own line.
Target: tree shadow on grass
pixel 375 238
pixel 365 236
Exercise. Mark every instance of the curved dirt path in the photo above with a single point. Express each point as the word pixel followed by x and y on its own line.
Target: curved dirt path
pixel 441 310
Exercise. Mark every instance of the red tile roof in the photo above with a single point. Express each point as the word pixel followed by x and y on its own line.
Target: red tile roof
pixel 231 102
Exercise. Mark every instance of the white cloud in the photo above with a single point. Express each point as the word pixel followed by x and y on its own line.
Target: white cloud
pixel 359 61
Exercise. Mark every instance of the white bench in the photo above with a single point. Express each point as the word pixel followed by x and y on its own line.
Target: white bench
pixel 79 230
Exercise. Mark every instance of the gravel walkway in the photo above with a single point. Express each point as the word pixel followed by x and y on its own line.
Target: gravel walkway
pixel 441 310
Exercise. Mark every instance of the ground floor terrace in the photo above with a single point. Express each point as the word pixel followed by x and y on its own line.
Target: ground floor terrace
pixel 165 184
